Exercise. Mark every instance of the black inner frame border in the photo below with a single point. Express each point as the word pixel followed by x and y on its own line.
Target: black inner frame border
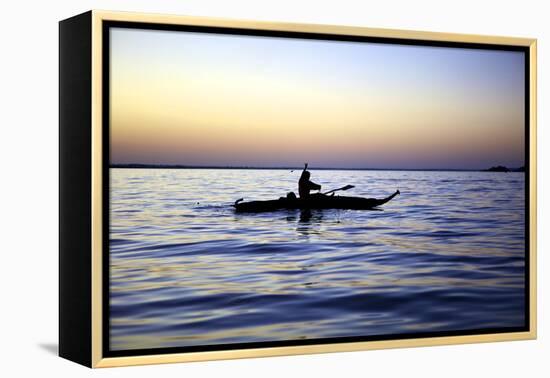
pixel 106 25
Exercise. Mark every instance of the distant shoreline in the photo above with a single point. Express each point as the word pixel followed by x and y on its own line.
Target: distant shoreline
pixel 179 166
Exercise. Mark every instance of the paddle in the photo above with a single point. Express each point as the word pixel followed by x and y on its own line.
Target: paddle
pixel 342 188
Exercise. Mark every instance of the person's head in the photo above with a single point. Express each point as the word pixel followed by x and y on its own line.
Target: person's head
pixel 291 196
pixel 307 175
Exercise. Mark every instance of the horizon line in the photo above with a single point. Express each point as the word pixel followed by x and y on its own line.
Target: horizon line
pixel 183 166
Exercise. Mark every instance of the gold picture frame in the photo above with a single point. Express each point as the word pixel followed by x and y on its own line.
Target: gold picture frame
pixel 81 320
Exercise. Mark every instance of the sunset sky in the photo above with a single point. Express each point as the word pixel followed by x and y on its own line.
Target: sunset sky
pixel 211 99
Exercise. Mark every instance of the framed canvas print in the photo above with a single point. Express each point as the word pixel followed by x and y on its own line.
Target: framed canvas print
pixel 235 189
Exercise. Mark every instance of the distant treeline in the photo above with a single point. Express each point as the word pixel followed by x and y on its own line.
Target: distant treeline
pixel 501 168
pixel 180 166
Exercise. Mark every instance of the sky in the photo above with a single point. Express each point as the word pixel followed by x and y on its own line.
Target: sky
pixel 226 100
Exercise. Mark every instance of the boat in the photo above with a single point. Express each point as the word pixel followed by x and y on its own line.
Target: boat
pixel 316 201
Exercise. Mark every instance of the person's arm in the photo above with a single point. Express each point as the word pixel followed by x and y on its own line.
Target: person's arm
pixel 314 186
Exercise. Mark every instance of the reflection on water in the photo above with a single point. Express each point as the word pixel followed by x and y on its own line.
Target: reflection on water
pixel 448 254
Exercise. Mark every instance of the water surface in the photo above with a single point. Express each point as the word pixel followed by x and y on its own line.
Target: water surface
pixel 185 270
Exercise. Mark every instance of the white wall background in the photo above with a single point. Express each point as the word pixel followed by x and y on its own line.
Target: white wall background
pixel 28 126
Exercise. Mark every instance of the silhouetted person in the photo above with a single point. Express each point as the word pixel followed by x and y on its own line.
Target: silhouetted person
pixel 305 185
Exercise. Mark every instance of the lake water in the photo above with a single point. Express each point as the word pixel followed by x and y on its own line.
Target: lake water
pixel 185 270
